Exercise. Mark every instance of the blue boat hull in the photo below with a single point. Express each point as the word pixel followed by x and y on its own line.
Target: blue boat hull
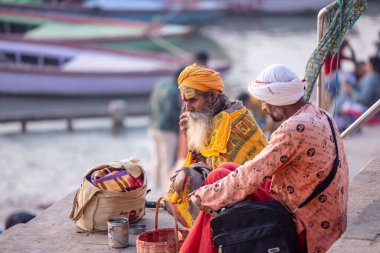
pixel 197 17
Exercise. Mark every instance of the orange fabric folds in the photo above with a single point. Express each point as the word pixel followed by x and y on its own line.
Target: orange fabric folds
pixel 200 78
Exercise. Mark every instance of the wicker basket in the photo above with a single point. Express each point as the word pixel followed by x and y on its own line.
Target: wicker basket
pixel 162 240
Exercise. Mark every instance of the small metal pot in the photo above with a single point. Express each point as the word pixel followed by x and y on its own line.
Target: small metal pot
pixel 118 232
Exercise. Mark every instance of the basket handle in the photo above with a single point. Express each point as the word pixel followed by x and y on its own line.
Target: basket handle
pixel 175 220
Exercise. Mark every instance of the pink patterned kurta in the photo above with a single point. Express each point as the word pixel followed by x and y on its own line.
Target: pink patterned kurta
pixel 298 157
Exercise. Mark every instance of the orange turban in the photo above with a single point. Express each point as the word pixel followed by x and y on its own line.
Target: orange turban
pixel 200 78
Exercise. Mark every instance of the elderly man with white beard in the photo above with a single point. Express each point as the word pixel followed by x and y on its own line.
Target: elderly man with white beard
pixel 218 130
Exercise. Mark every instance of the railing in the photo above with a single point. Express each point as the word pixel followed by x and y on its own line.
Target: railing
pixel 361 120
pixel 320 32
pixel 117 110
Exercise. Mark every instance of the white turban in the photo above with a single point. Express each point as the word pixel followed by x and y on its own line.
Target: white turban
pixel 277 85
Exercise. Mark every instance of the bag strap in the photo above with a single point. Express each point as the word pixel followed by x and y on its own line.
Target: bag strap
pixel 326 182
pixel 76 211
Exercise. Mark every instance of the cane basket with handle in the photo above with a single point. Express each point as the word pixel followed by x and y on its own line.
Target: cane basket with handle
pixel 162 240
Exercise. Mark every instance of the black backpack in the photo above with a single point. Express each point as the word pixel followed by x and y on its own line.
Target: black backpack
pixel 255 227
pixel 266 227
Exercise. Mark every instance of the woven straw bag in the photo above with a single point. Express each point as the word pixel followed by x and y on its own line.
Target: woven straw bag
pixel 159 240
pixel 92 206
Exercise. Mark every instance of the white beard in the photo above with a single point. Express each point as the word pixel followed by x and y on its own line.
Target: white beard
pixel 198 128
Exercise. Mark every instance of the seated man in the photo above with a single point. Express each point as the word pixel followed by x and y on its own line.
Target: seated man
pixel 218 130
pixel 300 155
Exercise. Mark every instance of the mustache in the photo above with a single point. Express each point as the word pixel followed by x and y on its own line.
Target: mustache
pixel 204 115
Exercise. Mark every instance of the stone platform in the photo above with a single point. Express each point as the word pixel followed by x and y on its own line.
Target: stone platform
pixel 53 231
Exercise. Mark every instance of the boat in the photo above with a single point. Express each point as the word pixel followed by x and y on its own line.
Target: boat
pixel 61 28
pixel 162 11
pixel 276 6
pixel 184 49
pixel 41 68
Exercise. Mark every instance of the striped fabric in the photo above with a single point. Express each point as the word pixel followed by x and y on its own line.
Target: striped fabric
pixel 115 179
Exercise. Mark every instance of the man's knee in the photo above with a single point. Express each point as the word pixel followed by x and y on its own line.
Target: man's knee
pixel 220 172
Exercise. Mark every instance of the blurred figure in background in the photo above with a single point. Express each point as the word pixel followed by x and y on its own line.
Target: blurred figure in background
pixel 343 94
pixel 165 108
pixel 367 94
pixel 333 68
pixel 345 78
pixel 201 58
pixel 333 63
pixel 377 44
pixel 18 217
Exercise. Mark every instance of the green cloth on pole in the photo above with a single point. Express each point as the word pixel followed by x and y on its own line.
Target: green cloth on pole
pixel 342 16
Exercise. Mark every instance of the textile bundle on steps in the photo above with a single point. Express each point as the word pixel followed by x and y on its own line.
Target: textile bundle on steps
pixel 94 204
pixel 343 15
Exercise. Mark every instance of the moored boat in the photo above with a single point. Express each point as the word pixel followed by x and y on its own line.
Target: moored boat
pixel 35 68
pixel 163 11
pixel 62 28
pixel 276 6
pixel 184 49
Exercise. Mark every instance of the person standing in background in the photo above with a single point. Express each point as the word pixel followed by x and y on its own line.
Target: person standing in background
pixel 377 45
pixel 165 108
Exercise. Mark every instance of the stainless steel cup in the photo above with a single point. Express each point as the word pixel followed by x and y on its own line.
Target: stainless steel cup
pixel 118 232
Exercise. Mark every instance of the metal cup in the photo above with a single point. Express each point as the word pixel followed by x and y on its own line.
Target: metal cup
pixel 118 232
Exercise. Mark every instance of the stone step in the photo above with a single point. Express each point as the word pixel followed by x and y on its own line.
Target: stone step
pixel 53 231
pixel 363 231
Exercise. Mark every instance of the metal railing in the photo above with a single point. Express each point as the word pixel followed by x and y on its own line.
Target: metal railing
pixel 320 32
pixel 375 108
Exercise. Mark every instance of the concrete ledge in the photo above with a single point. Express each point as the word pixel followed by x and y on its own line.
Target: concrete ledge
pixel 53 231
pixel 363 232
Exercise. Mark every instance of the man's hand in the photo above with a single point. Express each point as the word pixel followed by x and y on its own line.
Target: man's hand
pixel 195 200
pixel 183 120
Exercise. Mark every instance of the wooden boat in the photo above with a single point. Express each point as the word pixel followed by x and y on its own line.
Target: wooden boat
pixel 35 68
pixel 177 12
pixel 276 6
pixel 50 27
pixel 184 49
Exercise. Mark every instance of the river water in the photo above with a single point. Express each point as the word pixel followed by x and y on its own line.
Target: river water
pixel 47 163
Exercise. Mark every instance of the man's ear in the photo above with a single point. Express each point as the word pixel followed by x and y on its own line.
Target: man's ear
pixel 213 95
